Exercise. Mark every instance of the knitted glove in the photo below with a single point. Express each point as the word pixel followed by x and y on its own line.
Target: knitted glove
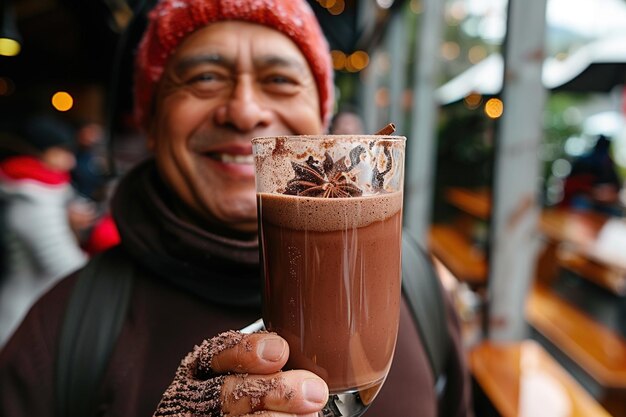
pixel 196 390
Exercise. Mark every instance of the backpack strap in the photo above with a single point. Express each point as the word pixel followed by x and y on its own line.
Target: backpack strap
pixel 423 292
pixel 93 321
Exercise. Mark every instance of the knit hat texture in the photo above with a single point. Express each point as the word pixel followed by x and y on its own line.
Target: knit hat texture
pixel 172 20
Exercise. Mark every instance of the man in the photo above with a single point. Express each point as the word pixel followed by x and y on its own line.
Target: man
pixel 211 75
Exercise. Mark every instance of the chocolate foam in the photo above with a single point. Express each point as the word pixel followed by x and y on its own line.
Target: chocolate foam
pixel 274 157
pixel 327 214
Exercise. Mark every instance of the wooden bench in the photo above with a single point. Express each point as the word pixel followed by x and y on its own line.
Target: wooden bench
pixel 600 352
pixel 457 253
pixel 608 278
pixel 522 379
pixel 476 202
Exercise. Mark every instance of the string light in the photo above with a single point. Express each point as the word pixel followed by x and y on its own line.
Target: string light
pixel 358 60
pixel 327 4
pixel 337 8
pixel 9 47
pixel 494 108
pixel 355 62
pixel 339 59
pixel 62 101
pixel 473 100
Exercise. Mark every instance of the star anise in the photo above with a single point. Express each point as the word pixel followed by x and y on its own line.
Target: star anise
pixel 328 179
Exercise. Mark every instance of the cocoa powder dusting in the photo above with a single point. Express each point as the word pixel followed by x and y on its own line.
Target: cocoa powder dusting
pixel 256 390
pixel 209 348
pixel 279 148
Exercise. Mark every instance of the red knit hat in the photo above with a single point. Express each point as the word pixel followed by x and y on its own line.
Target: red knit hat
pixel 172 20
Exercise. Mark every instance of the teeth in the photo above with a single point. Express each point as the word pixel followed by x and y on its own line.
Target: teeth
pixel 235 159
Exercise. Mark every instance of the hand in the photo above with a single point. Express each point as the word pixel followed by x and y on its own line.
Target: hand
pixel 234 374
pixel 81 216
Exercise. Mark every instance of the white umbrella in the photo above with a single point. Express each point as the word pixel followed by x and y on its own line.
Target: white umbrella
pixel 597 67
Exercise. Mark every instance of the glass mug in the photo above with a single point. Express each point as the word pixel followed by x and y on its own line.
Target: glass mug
pixel 330 225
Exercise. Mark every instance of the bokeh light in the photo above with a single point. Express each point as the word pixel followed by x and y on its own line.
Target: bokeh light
pixel 327 3
pixel 337 8
pixel 359 60
pixel 416 6
pixel 476 54
pixel 450 50
pixel 473 100
pixel 9 47
pixel 339 59
pixel 385 4
pixel 494 108
pixel 62 101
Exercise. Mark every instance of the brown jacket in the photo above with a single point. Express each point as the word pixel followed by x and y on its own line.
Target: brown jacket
pixel 154 340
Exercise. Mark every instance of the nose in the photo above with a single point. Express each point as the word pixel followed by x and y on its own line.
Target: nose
pixel 245 109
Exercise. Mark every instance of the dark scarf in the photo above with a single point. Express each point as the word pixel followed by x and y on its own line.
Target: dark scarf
pixel 219 269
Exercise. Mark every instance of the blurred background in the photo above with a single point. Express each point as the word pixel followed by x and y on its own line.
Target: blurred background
pixel 514 113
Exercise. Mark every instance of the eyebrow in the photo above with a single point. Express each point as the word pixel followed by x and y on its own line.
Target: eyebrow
pixel 191 61
pixel 278 61
pixel 264 61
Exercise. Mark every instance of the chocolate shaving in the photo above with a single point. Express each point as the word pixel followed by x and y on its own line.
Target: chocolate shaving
pixel 378 178
pixel 328 179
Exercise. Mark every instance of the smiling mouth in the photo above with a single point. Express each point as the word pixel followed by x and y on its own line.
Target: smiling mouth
pixel 231 159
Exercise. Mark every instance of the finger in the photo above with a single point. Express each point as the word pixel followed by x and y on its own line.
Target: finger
pixel 296 392
pixel 278 414
pixel 258 353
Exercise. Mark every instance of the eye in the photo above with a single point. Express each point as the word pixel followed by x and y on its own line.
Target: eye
pixel 207 81
pixel 281 84
pixel 203 77
pixel 280 79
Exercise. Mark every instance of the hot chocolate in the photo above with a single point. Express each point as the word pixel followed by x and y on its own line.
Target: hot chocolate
pixel 332 280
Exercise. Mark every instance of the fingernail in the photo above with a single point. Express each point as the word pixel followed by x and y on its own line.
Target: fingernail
pixel 314 390
pixel 272 348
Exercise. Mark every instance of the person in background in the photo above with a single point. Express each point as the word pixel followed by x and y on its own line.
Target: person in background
pixel 346 122
pixel 593 183
pixel 38 242
pixel 90 177
pixel 211 75
pixel 90 173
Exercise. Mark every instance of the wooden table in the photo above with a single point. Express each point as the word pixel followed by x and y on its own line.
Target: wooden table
pixel 523 380
pixel 476 202
pixel 571 226
pixel 454 244
pixel 570 236
pixel 456 252
pixel 572 240
pixel 599 351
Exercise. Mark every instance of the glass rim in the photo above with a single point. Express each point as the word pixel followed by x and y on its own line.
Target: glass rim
pixel 317 138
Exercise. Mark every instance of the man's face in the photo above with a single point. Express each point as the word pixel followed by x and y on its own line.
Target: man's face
pixel 226 84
